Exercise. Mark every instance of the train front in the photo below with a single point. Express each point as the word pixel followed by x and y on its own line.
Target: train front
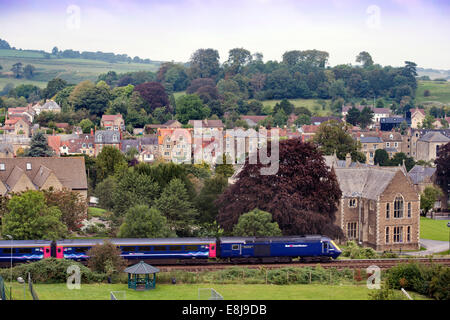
pixel 334 251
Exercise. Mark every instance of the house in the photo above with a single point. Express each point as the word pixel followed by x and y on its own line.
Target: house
pixel 369 147
pixel 170 124
pixel 64 126
pixel 423 177
pixel 17 125
pixel 49 106
pixel 104 138
pixel 24 112
pixel 149 148
pixel 428 145
pixel 308 131
pixel 175 144
pixel 378 113
pixel 379 208
pixel 387 124
pixel 417 117
pixel 112 122
pixel 253 121
pixel 39 173
pixel 18 142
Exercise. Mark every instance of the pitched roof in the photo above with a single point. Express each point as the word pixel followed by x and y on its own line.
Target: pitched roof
pixel 324 119
pixel 417 110
pixel 419 174
pixel 371 140
pixel 41 176
pixel 107 137
pixel 369 182
pixel 70 171
pixel 141 268
pixel 434 136
pixel 50 105
pixel 207 123
pixel 111 117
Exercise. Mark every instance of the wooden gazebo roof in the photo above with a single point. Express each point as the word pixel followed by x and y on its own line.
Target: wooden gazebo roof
pixel 141 268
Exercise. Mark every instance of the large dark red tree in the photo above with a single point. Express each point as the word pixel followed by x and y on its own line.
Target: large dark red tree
pixel 443 168
pixel 154 94
pixel 302 196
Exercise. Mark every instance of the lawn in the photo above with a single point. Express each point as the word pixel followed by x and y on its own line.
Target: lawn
pixel 190 292
pixel 311 104
pixel 96 212
pixel 439 92
pixel 433 229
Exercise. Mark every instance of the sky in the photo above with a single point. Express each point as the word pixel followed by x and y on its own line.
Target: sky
pixel 392 31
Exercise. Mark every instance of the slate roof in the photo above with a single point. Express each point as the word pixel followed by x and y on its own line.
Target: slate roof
pixel 107 137
pixel 371 140
pixel 434 136
pixel 368 182
pixel 419 174
pixel 70 171
pixel 141 268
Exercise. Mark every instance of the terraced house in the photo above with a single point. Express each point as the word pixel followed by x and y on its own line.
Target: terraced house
pixel 379 208
pixel 40 173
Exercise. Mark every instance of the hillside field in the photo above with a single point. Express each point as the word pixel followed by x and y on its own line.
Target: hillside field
pixel 71 70
pixel 439 92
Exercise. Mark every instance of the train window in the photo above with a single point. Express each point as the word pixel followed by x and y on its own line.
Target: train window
pixel 175 248
pixel 235 247
pixel 81 250
pixel 190 248
pixel 25 250
pixel 159 248
pixel 144 248
pixel 128 249
pixel 7 250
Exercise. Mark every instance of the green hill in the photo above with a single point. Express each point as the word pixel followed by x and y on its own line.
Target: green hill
pixel 71 70
pixel 439 92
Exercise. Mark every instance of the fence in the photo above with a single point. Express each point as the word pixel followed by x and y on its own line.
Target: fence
pixel 3 293
pixel 30 286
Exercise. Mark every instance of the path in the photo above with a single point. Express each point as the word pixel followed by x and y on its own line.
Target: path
pixel 432 246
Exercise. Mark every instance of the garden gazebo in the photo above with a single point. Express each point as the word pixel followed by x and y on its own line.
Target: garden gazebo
pixel 139 276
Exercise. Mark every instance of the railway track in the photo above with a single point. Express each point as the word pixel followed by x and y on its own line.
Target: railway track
pixel 338 264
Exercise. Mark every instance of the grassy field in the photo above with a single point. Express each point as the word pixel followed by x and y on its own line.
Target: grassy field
pixel 190 292
pixel 71 70
pixel 433 229
pixel 439 92
pixel 96 212
pixel 311 104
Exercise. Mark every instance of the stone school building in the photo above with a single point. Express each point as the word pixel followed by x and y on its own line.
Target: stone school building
pixel 379 208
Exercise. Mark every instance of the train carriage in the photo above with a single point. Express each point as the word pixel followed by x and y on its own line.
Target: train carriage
pixel 24 251
pixel 277 248
pixel 145 249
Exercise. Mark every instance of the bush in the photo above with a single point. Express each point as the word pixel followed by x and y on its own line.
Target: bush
pixel 432 281
pixel 51 270
pixel 353 251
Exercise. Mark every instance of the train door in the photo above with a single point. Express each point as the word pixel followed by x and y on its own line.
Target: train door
pixel 59 252
pixel 236 249
pixel 212 250
pixel 47 253
pixel 325 247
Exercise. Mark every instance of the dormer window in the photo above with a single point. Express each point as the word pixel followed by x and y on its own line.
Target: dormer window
pixel 100 138
pixel 114 138
pixel 28 166
pixel 2 167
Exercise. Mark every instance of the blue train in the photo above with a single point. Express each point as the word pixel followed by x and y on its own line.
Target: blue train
pixel 179 250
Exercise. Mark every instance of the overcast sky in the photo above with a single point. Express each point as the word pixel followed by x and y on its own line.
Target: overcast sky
pixel 392 31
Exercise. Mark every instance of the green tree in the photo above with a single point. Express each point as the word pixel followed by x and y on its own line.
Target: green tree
pixel 17 69
pixel 106 258
pixel 174 203
pixel 28 71
pixel 144 222
pixel 212 189
pixel 302 120
pixel 428 197
pixel 225 168
pixel 365 58
pixel 105 192
pixel 333 137
pixel 53 87
pixel 256 223
pixel 29 218
pixel 134 188
pixel 365 118
pixel 353 116
pixel 109 161
pixel 86 125
pixel 381 157
pixel 190 107
pixel 39 146
pixel 204 63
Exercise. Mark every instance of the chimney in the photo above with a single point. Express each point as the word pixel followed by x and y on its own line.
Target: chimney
pixel 348 160
pixel 92 131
